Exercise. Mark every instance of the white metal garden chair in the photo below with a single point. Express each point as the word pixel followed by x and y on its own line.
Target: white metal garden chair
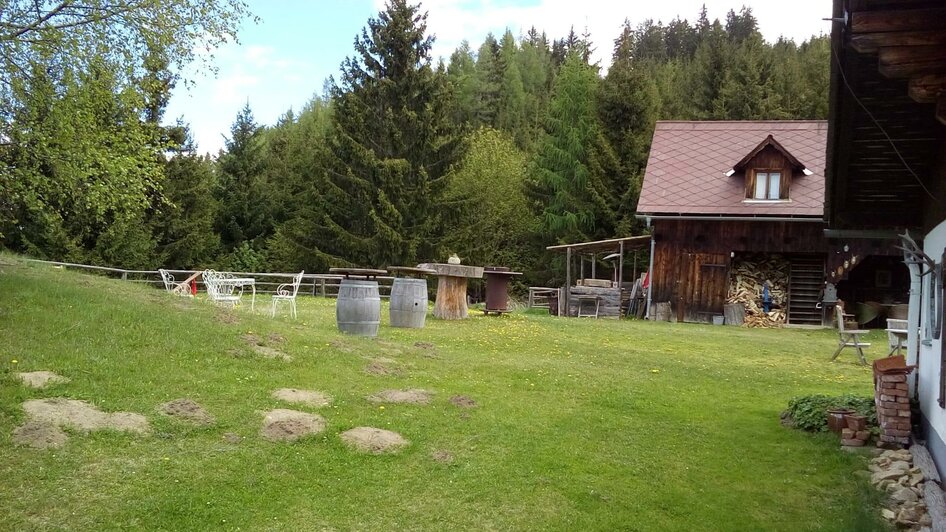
pixel 218 290
pixel 848 337
pixel 287 292
pixel 168 280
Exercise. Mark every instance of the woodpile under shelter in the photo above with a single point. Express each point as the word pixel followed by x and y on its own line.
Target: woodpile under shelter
pixel 736 211
pixel 592 294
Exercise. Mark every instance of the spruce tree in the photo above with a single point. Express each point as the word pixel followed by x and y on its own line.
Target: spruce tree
pixel 244 196
pixel 392 146
pixel 568 187
pixel 627 111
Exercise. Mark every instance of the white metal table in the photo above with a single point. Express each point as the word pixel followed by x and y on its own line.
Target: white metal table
pixel 242 283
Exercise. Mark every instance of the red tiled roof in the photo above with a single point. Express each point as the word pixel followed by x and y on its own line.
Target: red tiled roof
pixel 686 171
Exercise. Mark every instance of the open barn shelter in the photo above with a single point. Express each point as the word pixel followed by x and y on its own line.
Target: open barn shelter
pixel 736 211
pixel 585 262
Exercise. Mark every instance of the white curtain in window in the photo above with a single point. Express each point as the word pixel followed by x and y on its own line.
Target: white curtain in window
pixel 761 179
pixel 774 181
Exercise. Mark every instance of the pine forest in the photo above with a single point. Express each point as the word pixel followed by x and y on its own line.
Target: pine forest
pixel 493 153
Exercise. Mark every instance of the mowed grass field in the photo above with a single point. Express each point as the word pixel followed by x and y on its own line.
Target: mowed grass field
pixel 578 424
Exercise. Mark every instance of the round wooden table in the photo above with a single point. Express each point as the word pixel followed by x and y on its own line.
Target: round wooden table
pixel 410 271
pixel 367 273
pixel 451 288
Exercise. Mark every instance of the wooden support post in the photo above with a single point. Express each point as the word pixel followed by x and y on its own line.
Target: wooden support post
pixel 621 265
pixel 568 278
pixel 581 266
pixel 594 260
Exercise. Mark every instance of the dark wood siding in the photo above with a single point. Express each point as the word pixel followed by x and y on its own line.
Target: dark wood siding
pixel 692 258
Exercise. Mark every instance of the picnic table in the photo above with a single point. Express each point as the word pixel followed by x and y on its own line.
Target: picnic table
pixel 451 288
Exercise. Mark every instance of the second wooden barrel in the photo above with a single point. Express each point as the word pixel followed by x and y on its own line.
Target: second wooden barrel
pixel 358 309
pixel 409 303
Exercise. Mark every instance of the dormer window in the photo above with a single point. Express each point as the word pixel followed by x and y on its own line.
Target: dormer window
pixel 768 171
pixel 766 185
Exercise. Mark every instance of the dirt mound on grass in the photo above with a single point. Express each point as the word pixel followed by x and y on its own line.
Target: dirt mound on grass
pixel 80 415
pixel 342 346
pixel 463 401
pixel 259 347
pixel 41 379
pixel 411 397
pixel 305 397
pixel 226 317
pixel 39 435
pixel 276 338
pixel 380 367
pixel 271 353
pixel 290 425
pixel 424 345
pixel 444 457
pixel 187 410
pixel 372 440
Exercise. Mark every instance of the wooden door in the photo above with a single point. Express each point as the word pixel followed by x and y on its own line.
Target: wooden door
pixel 704 281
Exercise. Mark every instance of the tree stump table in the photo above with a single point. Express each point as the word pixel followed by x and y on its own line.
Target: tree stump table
pixel 451 288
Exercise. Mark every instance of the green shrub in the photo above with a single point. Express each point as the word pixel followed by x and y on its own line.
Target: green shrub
pixel 810 412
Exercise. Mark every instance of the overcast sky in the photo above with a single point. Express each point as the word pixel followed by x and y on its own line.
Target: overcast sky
pixel 285 59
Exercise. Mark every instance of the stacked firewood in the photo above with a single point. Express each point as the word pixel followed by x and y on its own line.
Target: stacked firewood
pixel 748 275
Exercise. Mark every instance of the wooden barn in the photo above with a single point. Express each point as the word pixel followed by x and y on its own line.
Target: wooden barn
pixel 736 206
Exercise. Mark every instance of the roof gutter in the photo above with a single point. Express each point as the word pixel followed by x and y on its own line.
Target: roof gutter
pixel 705 218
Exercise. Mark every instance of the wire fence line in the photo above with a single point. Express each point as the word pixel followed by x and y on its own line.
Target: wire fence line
pixel 314 284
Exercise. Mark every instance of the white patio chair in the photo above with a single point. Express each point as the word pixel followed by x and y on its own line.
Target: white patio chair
pixel 218 290
pixel 168 280
pixel 287 292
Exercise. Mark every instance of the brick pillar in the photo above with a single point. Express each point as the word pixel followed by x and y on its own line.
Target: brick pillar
pixel 892 398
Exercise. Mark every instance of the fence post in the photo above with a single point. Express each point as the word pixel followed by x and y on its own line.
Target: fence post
pixel 124 276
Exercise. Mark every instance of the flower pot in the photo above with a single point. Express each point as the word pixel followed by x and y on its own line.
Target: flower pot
pixel 856 422
pixel 836 420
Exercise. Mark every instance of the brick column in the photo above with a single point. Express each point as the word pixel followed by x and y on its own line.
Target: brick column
pixel 891 396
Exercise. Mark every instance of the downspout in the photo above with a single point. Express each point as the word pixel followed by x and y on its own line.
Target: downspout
pixel 913 322
pixel 650 272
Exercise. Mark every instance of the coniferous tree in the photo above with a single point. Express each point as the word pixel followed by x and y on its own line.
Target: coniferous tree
pixel 626 109
pixel 566 186
pixel 510 116
pixel 184 223
pixel 392 146
pixel 244 217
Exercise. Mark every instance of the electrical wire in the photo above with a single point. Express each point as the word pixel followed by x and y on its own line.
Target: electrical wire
pixel 836 54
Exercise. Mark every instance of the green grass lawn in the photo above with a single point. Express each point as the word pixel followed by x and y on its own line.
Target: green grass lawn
pixel 579 424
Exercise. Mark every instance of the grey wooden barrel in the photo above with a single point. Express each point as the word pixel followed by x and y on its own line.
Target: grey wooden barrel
pixel 358 309
pixel 409 303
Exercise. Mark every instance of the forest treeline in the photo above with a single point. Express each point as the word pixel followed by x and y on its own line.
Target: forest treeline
pixel 505 147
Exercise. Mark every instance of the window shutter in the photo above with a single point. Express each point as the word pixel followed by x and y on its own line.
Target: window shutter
pixel 786 183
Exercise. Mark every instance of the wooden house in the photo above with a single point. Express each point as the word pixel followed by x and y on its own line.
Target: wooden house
pixel 886 165
pixel 735 206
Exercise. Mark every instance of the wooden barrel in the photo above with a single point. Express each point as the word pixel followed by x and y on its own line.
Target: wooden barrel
pixel 408 303
pixel 358 309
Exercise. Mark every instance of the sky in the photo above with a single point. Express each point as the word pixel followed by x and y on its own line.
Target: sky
pixel 283 60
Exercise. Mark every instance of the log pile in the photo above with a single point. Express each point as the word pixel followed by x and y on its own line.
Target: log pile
pixel 745 287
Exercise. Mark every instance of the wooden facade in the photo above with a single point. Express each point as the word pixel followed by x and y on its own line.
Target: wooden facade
pixel 692 258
